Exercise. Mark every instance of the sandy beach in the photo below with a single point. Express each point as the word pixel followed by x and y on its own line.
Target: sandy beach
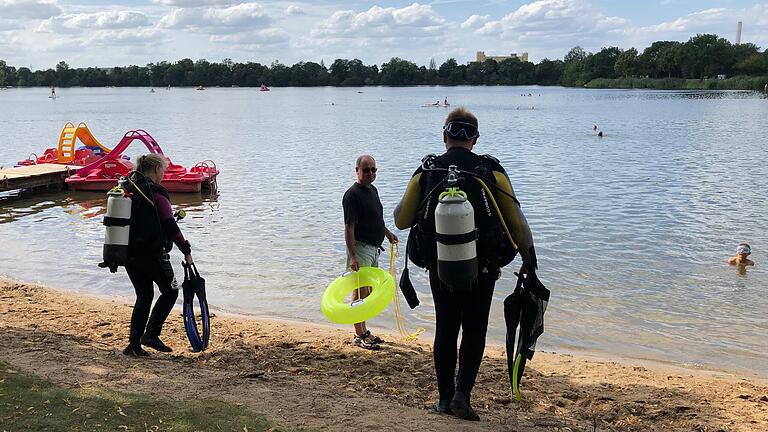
pixel 311 376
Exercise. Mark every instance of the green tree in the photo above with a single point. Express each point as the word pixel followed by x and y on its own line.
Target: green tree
pixel 756 64
pixel 3 73
pixel 63 74
pixel 660 59
pixel 339 71
pixel 626 64
pixel 548 72
pixel 399 72
pixel 24 77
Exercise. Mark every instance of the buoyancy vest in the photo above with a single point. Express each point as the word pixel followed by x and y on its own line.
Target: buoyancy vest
pixel 146 238
pixel 493 249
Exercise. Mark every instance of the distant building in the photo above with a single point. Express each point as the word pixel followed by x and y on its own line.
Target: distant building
pixel 481 57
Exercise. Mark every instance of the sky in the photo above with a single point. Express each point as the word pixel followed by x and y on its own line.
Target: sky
pixel 40 33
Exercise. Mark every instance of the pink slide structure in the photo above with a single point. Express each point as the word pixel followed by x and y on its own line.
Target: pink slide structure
pixel 102 175
pixel 117 152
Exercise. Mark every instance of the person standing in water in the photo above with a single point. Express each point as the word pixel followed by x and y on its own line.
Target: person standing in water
pixel 364 231
pixel 743 250
pixel 153 233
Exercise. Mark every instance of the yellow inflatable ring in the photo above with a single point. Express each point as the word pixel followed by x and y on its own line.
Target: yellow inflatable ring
pixel 337 310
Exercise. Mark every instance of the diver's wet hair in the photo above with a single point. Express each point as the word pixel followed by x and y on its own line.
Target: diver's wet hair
pixel 461 125
pixel 147 163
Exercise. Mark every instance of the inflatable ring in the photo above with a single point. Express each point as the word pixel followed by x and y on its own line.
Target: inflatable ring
pixel 339 311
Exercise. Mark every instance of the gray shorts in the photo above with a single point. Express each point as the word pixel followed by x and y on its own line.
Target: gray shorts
pixel 367 255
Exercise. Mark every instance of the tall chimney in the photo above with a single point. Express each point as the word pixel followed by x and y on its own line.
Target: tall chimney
pixel 738 33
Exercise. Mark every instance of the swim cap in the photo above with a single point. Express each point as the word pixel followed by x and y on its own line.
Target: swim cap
pixel 743 249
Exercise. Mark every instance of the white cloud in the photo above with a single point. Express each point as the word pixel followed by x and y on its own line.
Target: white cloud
pixel 271 36
pixel 294 10
pixel 475 21
pixel 10 25
pixel 410 21
pixel 555 19
pixel 193 3
pixel 29 9
pixel 124 37
pixel 98 20
pixel 691 22
pixel 215 20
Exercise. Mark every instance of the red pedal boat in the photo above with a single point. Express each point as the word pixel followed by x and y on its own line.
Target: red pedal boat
pixel 102 175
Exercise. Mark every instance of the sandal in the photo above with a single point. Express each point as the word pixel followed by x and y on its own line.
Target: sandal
pixel 364 343
pixel 371 338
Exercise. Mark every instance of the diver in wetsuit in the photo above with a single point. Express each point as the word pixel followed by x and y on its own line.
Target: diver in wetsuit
pixel 153 233
pixel 466 307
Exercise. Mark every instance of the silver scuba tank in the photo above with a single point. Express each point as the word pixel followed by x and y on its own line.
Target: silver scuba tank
pixel 118 228
pixel 456 236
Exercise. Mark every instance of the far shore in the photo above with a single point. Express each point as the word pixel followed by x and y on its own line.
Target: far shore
pixel 311 376
pixel 745 83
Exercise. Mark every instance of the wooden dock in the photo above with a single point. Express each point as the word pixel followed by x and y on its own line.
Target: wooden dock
pixel 49 176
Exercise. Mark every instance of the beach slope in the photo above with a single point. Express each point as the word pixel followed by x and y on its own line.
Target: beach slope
pixel 311 376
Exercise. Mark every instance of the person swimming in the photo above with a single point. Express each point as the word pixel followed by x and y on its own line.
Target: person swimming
pixel 743 250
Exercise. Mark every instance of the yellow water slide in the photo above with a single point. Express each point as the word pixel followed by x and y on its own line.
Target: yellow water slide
pixel 70 134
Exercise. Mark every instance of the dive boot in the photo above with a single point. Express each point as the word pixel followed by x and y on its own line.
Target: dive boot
pixel 461 408
pixel 154 342
pixel 443 406
pixel 135 351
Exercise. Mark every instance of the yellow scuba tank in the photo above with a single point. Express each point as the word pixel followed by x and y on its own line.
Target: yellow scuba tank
pixel 456 235
pixel 118 228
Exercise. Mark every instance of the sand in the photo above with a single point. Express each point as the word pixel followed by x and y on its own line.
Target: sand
pixel 305 375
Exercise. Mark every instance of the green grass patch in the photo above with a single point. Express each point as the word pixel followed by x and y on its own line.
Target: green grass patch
pixel 32 404
pixel 740 82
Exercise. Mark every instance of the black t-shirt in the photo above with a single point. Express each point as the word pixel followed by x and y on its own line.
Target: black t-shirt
pixel 363 208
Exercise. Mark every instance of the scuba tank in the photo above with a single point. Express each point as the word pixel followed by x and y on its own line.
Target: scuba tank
pixel 456 235
pixel 117 233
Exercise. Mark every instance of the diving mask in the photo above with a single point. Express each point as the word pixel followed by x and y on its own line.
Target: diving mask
pixel 461 130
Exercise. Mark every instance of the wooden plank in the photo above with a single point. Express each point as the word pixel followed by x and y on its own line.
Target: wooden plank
pixel 33 176
pixel 32 170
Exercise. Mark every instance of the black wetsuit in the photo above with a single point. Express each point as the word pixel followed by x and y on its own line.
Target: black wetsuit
pixel 467 310
pixel 152 227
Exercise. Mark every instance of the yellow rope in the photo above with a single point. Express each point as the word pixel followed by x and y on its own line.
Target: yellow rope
pixel 152 203
pixel 498 212
pixel 401 328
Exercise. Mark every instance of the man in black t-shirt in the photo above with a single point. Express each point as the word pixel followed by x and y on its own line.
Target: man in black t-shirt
pixel 364 231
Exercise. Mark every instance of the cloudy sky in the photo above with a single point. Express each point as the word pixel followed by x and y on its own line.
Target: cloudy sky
pixel 39 33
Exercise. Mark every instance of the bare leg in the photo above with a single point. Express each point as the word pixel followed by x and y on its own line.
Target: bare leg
pixel 361 293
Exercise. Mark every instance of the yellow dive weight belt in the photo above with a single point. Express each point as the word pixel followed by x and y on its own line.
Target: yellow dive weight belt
pixel 337 310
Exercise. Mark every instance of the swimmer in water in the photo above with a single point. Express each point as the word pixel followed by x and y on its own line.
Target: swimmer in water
pixel 743 250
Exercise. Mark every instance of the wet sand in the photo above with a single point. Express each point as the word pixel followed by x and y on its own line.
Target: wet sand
pixel 305 375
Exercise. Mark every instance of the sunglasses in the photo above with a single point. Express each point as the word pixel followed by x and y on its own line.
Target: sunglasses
pixel 457 129
pixel 368 170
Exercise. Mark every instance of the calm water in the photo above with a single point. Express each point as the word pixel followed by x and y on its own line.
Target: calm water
pixel 632 230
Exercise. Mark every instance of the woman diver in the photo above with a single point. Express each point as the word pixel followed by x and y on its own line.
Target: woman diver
pixel 153 233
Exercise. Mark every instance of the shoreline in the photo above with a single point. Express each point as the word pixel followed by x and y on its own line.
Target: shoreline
pixel 596 355
pixel 310 375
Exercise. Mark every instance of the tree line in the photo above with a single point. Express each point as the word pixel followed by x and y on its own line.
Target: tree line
pixel 703 56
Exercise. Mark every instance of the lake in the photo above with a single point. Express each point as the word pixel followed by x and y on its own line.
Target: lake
pixel 632 230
